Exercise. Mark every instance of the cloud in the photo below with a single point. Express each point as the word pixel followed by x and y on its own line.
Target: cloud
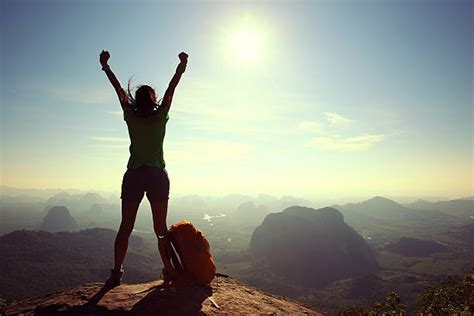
pixel 206 150
pixel 109 139
pixel 337 120
pixel 117 113
pixel 100 129
pixel 110 146
pixel 334 121
pixel 337 134
pixel 78 94
pixel 310 126
pixel 258 122
pixel 217 103
pixel 110 142
pixel 338 143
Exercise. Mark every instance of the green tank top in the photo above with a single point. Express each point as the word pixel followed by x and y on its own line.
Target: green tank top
pixel 146 139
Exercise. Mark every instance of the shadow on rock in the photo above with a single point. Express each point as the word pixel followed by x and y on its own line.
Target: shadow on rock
pixel 169 301
pixel 99 295
pixel 89 308
pixel 160 300
pixel 62 309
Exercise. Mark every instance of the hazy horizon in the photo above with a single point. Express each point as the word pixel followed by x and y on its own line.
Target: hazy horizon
pixel 315 199
pixel 308 99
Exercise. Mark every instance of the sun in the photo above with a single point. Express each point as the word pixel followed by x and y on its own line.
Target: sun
pixel 245 44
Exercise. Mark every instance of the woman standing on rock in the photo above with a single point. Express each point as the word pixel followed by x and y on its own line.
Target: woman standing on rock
pixel 146 120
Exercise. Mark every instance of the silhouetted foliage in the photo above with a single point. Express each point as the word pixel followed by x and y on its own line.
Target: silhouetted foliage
pixel 391 305
pixel 354 310
pixel 451 296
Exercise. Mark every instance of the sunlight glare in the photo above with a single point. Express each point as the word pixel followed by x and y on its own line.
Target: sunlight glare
pixel 246 44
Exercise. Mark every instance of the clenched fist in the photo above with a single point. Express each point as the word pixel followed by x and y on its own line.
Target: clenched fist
pixel 104 57
pixel 183 57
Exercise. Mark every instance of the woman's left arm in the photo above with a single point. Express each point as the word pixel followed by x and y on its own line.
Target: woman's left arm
pixel 104 58
pixel 168 97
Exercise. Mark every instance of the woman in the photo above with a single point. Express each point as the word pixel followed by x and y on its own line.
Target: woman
pixel 146 120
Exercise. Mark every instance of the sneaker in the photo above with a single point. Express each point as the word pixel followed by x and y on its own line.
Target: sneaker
pixel 115 278
pixel 169 276
pixel 166 277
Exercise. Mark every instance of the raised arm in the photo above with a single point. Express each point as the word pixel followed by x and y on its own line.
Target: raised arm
pixel 104 58
pixel 168 97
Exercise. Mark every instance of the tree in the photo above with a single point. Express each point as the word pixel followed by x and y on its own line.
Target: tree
pixel 391 305
pixel 451 296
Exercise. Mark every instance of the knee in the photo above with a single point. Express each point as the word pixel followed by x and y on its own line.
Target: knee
pixel 124 232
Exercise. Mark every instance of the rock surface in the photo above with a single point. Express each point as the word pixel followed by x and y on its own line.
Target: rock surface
pixel 224 296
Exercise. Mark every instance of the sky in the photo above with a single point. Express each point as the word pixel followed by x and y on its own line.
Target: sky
pixel 304 98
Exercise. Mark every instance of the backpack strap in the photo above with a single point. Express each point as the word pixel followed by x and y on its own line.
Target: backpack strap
pixel 171 251
pixel 168 257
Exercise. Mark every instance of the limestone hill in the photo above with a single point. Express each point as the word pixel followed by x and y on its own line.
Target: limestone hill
pixel 312 247
pixel 58 219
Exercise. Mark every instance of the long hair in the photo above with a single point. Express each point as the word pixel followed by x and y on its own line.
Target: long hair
pixel 142 104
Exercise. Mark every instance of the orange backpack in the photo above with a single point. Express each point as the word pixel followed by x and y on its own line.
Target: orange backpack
pixel 195 264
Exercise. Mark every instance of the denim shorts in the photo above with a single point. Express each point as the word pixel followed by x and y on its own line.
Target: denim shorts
pixel 152 180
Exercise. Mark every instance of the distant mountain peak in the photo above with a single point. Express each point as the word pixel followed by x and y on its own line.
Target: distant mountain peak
pixel 327 248
pixel 58 219
pixel 325 213
pixel 381 199
pixel 383 204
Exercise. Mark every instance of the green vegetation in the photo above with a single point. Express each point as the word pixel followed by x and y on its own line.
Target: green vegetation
pixel 391 305
pixel 39 263
pixel 449 297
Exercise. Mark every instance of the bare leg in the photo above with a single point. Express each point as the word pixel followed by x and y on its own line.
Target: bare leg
pixel 129 214
pixel 160 209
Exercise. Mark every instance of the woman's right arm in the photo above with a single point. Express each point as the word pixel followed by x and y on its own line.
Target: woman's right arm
pixel 104 58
